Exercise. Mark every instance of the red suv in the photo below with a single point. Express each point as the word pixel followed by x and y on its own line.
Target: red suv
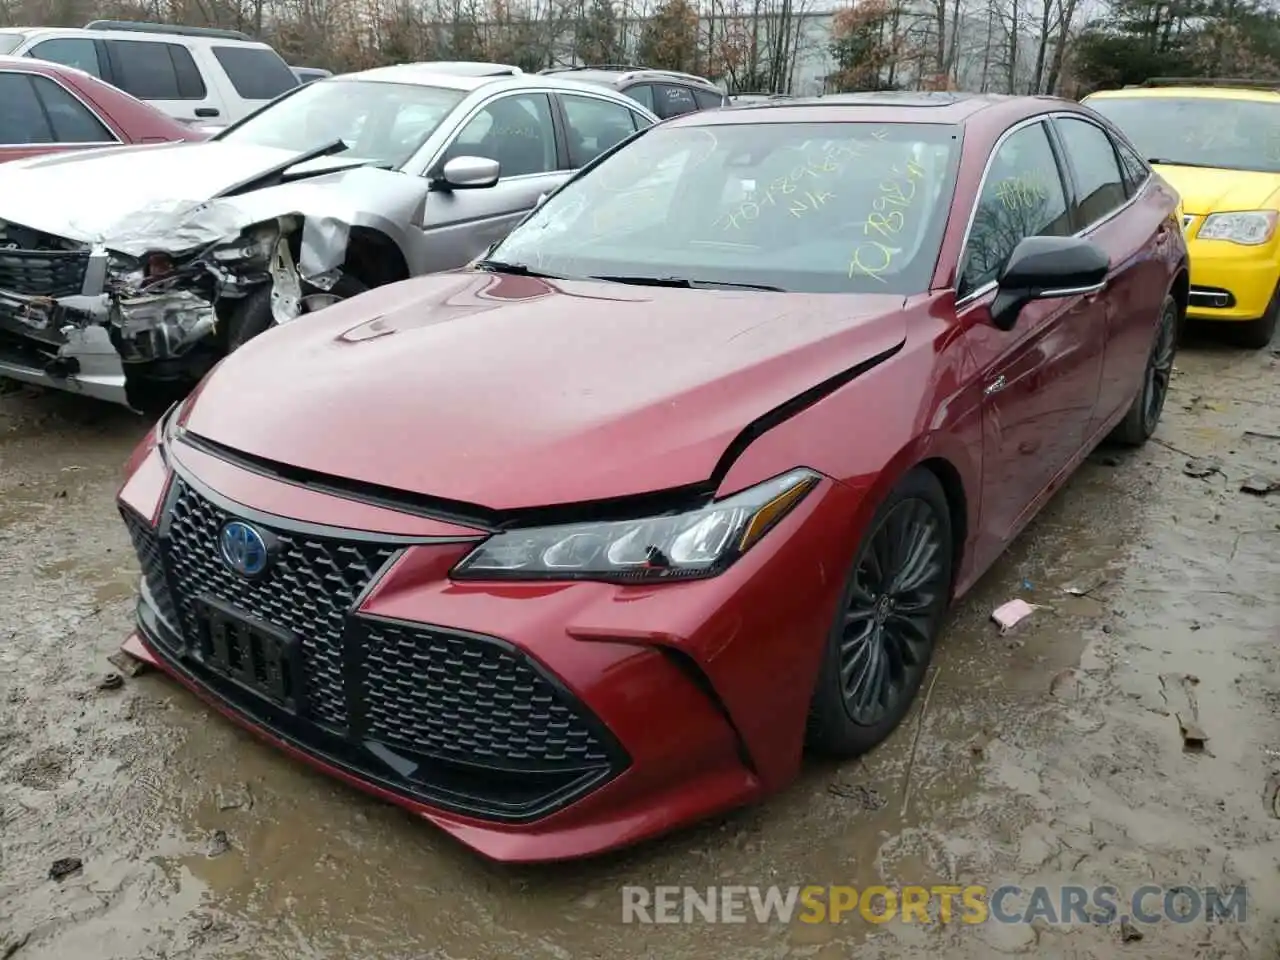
pixel 48 108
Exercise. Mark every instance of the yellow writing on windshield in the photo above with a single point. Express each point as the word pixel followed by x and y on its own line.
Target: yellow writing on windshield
pixel 803 188
pixel 874 257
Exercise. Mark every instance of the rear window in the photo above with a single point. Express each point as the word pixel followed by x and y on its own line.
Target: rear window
pixel 257 74
pixel 151 70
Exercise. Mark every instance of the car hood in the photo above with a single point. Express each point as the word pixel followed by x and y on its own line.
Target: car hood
pixel 160 197
pixel 508 392
pixel 1205 191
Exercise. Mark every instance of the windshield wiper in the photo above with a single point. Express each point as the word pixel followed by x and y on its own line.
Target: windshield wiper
pixel 687 284
pixel 515 269
pixel 264 179
pixel 1163 161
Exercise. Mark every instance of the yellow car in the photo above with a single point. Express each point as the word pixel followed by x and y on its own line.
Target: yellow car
pixel 1218 144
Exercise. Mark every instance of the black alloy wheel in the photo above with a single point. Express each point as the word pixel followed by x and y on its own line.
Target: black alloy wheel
pixel 890 614
pixel 1144 415
pixel 1160 367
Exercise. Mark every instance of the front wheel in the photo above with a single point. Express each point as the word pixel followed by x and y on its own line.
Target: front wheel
pixel 1144 416
pixel 889 616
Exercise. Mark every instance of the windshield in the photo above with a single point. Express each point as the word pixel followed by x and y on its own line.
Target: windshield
pixel 813 207
pixel 378 121
pixel 9 42
pixel 1199 131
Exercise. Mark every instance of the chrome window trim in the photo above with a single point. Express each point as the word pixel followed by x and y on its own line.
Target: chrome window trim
pixel 114 142
pixel 969 298
pixel 1056 292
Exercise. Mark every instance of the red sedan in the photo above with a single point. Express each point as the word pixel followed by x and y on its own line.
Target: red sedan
pixel 593 538
pixel 49 108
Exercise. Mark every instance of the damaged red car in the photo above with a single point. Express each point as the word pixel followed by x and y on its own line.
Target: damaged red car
pixel 594 538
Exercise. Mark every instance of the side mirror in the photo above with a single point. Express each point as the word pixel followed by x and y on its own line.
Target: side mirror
pixel 1045 268
pixel 467 173
pixel 542 198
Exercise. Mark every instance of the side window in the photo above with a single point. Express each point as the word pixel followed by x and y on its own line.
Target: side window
pixel 1098 177
pixel 255 72
pixel 1022 196
pixel 515 130
pixel 1134 168
pixel 594 127
pixel 640 122
pixel 642 94
pixel 672 101
pixel 72 121
pixel 707 100
pixel 75 52
pixel 156 71
pixel 190 83
pixel 22 119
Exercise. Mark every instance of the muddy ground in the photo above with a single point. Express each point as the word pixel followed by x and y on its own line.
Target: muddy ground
pixel 1051 755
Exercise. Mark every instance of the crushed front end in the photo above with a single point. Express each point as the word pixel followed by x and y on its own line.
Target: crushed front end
pixel 137 330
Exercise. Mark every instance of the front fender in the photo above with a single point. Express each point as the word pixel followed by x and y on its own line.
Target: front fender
pixel 330 206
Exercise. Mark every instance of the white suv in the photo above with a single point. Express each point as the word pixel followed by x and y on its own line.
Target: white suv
pixel 198 75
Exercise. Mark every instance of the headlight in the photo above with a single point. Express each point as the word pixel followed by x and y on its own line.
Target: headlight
pixel 700 543
pixel 1250 228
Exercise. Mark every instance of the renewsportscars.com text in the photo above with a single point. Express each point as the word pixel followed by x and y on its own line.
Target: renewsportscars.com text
pixel 939 903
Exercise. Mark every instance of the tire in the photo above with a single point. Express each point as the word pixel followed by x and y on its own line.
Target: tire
pixel 872 629
pixel 252 315
pixel 1144 415
pixel 1255 334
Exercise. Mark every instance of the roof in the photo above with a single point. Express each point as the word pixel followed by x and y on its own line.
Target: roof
pixel 880 107
pixel 441 75
pixel 612 74
pixel 1188 92
pixel 138 31
pixel 427 74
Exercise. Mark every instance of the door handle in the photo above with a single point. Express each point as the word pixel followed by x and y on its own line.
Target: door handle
pixel 206 111
pixel 996 385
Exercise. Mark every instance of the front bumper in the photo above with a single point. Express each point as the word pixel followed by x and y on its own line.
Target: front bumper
pixel 531 721
pixel 1230 281
pixel 53 322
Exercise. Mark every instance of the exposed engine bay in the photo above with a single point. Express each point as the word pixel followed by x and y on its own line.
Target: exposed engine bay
pixel 137 313
pixel 166 316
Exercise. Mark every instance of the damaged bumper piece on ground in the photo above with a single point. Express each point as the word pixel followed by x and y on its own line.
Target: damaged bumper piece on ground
pixel 136 314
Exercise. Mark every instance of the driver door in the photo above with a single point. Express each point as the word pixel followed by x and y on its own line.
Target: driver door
pixel 516 130
pixel 1039 379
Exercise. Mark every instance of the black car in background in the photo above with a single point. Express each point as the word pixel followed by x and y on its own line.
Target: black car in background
pixel 667 93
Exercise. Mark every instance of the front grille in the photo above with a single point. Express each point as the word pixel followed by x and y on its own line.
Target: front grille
pixel 147 546
pixel 314 582
pixel 43 273
pixel 451 695
pixel 460 721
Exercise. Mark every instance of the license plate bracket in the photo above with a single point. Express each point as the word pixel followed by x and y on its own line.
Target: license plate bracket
pixel 253 654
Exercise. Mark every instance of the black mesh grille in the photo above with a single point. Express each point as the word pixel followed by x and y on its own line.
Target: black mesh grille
pixel 469 699
pixel 313 584
pixel 41 273
pixel 465 722
pixel 147 546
